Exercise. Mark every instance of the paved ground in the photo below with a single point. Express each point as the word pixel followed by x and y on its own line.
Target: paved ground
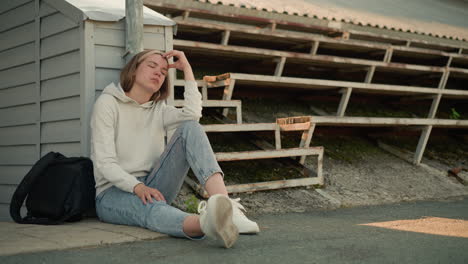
pixel 316 237
pixel 17 239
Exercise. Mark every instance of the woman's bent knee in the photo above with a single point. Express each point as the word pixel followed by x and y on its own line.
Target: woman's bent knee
pixel 190 124
pixel 191 127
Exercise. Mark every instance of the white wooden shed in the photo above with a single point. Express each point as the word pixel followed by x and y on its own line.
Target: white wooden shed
pixel 55 58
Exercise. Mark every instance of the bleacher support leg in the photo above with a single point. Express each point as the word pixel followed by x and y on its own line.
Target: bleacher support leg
pixel 227 95
pixel 426 132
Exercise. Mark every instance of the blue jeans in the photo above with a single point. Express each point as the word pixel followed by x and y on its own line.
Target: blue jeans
pixel 188 148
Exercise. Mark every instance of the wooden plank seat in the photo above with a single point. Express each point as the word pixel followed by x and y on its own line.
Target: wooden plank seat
pixel 303 124
pixel 388 121
pixel 308 83
pixel 346 121
pixel 267 154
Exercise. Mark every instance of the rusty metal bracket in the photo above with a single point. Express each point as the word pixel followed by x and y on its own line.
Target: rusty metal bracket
pixel 454 173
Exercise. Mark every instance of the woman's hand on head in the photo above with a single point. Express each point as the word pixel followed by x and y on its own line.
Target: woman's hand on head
pixel 146 193
pixel 182 63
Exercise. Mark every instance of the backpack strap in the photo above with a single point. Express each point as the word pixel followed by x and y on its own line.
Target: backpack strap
pixel 44 221
pixel 26 184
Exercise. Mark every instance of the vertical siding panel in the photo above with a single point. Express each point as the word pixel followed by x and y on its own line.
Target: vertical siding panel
pixel 17 135
pixel 11 4
pixel 56 23
pixel 61 109
pixel 6 192
pixel 17 76
pixel 63 42
pixel 67 149
pixel 154 40
pixel 17 36
pixel 18 155
pixel 13 174
pixel 18 95
pixel 109 57
pixel 14 57
pixel 153 37
pixel 105 77
pixel 60 65
pixel 18 115
pixel 61 131
pixel 109 37
pixel 65 86
pixel 45 9
pixel 17 17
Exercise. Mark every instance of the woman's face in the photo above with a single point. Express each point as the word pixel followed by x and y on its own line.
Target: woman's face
pixel 151 73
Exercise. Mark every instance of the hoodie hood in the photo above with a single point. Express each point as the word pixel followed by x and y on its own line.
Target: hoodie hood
pixel 117 92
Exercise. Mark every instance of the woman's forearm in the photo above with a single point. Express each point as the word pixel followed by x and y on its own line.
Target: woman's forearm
pixel 188 74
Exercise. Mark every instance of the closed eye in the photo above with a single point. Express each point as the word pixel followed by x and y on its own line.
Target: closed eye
pixel 153 65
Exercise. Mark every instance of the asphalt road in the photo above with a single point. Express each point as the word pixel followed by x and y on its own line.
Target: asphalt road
pixel 313 237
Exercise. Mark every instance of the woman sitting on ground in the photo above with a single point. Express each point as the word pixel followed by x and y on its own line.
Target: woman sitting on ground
pixel 137 176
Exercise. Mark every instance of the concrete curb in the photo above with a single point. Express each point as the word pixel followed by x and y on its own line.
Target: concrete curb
pixel 19 239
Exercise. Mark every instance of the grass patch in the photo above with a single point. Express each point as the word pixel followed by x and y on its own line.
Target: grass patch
pixel 346 148
pixel 250 171
pixel 191 204
pixel 229 142
pixel 209 119
pixel 270 109
pixel 406 142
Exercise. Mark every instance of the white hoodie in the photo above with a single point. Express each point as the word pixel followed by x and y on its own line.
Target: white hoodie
pixel 127 138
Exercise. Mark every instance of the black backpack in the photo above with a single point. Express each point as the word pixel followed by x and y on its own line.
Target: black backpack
pixel 57 188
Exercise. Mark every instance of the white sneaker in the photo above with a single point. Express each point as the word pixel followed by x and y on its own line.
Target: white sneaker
pixel 244 225
pixel 216 220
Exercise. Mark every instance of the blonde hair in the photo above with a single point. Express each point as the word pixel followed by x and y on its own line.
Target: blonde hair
pixel 128 76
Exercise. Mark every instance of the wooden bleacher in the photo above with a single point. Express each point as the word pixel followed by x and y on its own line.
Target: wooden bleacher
pixel 277 45
pixel 188 18
pixel 229 80
pixel 303 124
